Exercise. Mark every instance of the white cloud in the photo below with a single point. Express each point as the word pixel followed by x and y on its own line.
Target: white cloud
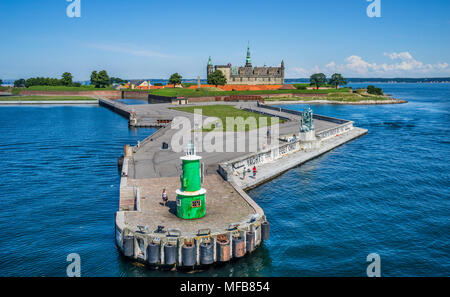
pixel 402 56
pixel 300 72
pixel 403 64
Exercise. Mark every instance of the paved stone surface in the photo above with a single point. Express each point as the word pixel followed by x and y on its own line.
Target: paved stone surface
pixel 224 206
pixel 150 161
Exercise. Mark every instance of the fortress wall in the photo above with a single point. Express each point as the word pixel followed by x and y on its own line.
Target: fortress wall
pixel 114 94
pixel 134 95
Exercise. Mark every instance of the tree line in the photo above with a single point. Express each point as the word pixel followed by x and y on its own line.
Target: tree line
pixel 216 78
pixel 319 79
pixel 99 79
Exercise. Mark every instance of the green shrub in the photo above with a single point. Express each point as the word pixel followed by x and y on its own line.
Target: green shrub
pixel 374 91
pixel 187 85
pixel 15 91
pixel 300 86
pixel 158 84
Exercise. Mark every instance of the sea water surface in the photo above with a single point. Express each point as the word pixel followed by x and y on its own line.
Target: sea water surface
pixel 386 193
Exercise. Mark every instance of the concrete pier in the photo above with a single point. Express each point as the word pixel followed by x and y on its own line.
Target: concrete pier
pixel 145 227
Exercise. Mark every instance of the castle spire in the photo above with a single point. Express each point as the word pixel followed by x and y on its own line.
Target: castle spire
pixel 248 61
pixel 209 61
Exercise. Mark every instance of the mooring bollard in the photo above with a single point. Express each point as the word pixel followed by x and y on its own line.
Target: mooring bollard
pixel 153 253
pixel 189 253
pixel 265 231
pixel 238 247
pixel 170 253
pixel 206 253
pixel 250 241
pixel 223 249
pixel 128 245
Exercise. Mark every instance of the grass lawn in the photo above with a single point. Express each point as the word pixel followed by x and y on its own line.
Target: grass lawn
pixel 341 97
pixel 225 112
pixel 67 89
pixel 178 92
pixel 44 98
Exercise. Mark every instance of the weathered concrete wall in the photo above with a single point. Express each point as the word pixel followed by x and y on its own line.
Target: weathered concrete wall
pixel 117 107
pixel 111 94
pixel 134 95
pixel 153 99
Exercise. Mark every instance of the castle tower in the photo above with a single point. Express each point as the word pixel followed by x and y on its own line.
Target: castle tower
pixel 209 68
pixel 248 60
pixel 191 197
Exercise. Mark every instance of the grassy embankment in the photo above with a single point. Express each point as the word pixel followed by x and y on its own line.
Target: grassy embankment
pixel 205 92
pixel 336 97
pixel 224 112
pixel 45 98
pixel 66 89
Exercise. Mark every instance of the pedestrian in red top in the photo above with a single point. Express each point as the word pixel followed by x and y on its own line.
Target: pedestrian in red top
pixel 254 171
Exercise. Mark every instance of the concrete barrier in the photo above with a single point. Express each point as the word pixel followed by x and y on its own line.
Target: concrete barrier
pixel 111 94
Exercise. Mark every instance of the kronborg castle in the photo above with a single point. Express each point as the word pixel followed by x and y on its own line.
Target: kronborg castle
pixel 249 75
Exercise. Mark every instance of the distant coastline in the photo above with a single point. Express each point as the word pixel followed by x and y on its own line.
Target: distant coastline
pixel 383 80
pixel 433 80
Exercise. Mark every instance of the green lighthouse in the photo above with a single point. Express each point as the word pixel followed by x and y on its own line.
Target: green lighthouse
pixel 191 197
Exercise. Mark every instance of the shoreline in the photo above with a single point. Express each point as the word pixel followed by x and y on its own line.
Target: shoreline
pixel 50 102
pixel 364 102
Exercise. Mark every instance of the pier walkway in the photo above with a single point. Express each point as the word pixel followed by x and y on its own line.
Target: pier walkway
pixel 142 221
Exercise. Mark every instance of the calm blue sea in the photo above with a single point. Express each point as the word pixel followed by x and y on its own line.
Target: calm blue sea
pixel 387 193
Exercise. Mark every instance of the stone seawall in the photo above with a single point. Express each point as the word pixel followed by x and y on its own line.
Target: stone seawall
pixel 111 94
pixel 134 95
pixel 364 102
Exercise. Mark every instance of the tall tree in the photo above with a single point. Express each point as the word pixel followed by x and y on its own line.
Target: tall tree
pixel 318 80
pixel 175 79
pixel 94 79
pixel 103 79
pixel 217 78
pixel 337 80
pixel 1 82
pixel 20 83
pixel 67 79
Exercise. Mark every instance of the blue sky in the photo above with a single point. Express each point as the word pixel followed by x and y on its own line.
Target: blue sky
pixel 152 39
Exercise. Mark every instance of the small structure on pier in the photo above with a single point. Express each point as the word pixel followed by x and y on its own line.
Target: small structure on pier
pixel 307 129
pixel 191 197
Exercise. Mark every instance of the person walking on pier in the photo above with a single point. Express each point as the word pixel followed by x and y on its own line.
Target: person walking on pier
pixel 164 197
pixel 243 173
pixel 254 171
